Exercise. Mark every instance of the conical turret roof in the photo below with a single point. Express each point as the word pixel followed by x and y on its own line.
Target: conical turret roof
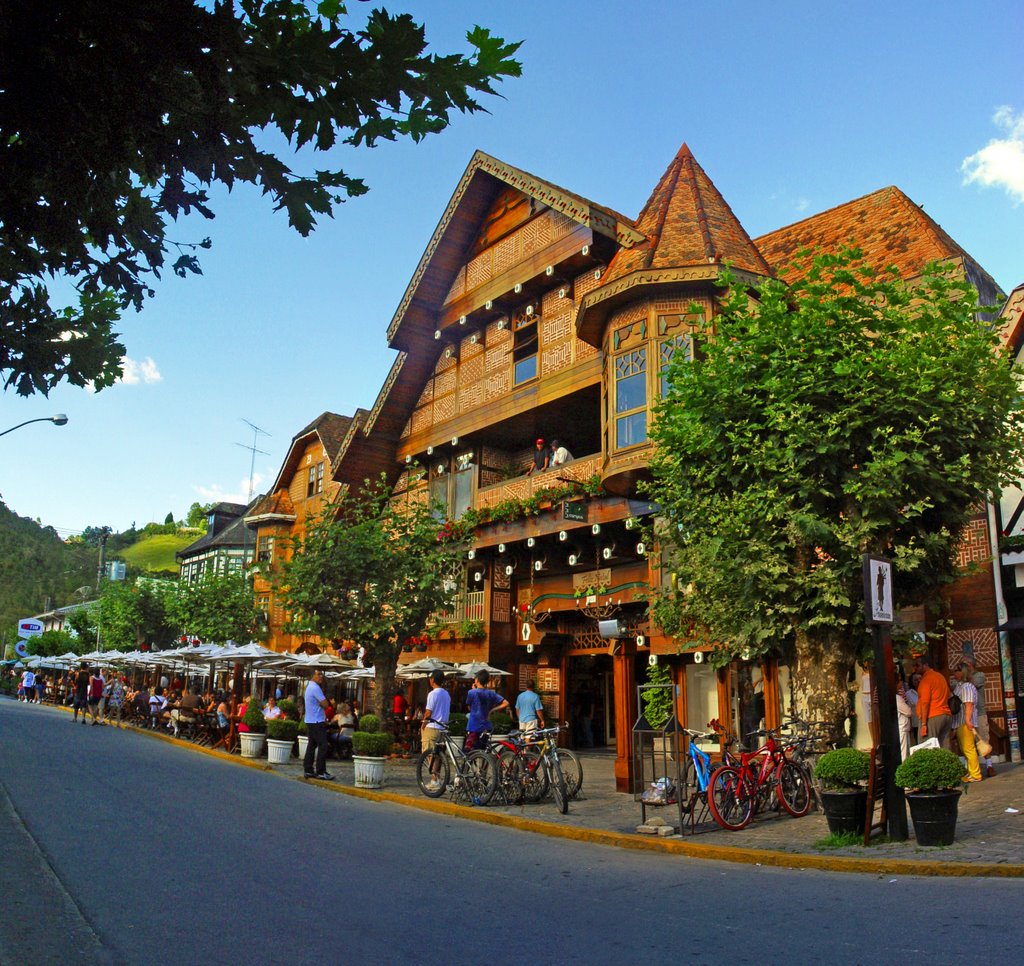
pixel 687 222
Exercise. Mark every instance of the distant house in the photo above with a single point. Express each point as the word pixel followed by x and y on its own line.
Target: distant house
pixel 304 482
pixel 226 547
pixel 57 619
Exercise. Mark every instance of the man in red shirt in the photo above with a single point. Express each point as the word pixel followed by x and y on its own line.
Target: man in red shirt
pixel 933 704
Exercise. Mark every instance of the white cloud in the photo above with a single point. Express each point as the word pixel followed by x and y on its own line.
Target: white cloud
pixel 1000 164
pixel 139 372
pixel 802 205
pixel 218 494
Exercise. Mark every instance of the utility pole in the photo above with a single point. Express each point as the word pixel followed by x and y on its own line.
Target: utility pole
pixel 104 533
pixel 256 433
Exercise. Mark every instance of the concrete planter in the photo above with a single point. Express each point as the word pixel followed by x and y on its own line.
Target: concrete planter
pixel 252 743
pixel 369 772
pixel 279 752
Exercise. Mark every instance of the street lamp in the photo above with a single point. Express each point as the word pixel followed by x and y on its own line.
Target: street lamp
pixel 59 420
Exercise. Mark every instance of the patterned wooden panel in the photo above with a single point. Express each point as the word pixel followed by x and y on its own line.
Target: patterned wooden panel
pixel 674 305
pixel 471 369
pixel 458 286
pixel 516 489
pixel 505 253
pixel 974 544
pixel 497 382
pixel 496 335
pixel 445 361
pixel 478 271
pixel 469 348
pixel 501 606
pixel 445 383
pixel 554 304
pixel 986 646
pixel 428 393
pixel 556 329
pixel 444 408
pixel 471 396
pixel 407 431
pixel 561 225
pixel 423 418
pixel 536 234
pixel 555 358
pixel 584 283
pixel 584 350
pixel 500 579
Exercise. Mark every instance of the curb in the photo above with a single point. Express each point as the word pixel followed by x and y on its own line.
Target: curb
pixel 639 843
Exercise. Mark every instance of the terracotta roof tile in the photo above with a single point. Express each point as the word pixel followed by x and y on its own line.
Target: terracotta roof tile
pixel 886 224
pixel 687 222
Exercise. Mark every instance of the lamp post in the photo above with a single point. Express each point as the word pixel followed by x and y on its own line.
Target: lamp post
pixel 59 420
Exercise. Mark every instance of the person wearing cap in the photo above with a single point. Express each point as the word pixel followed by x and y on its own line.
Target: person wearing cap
pixel 541 457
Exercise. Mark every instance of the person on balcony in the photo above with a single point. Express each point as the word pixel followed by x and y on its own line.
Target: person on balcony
pixel 541 458
pixel 559 454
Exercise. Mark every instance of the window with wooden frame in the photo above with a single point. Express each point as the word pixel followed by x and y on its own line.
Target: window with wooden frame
pixel 667 349
pixel 630 369
pixel 525 343
pixel 265 549
pixel 315 480
pixel 451 485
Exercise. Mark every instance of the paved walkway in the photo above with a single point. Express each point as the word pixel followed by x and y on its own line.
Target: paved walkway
pixel 989 838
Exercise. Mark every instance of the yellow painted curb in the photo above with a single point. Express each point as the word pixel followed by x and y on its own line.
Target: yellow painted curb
pixel 643 843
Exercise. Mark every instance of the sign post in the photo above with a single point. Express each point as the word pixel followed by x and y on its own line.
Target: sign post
pixel 879 612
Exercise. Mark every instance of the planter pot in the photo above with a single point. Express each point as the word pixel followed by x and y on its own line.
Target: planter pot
pixel 934 815
pixel 845 811
pixel 279 752
pixel 252 743
pixel 303 741
pixel 369 771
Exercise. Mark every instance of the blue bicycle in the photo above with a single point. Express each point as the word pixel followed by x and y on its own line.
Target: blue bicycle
pixel 697 776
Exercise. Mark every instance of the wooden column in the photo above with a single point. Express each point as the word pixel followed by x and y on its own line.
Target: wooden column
pixel 624 682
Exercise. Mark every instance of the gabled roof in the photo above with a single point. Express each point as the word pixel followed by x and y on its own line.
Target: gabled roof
pixel 687 222
pixel 445 254
pixel 233 535
pixel 886 224
pixel 275 504
pixel 1011 321
pixel 330 428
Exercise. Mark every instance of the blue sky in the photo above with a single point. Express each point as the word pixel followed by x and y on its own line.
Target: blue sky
pixel 791 108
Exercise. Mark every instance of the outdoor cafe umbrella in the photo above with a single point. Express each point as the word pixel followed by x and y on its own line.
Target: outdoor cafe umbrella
pixel 473 668
pixel 423 667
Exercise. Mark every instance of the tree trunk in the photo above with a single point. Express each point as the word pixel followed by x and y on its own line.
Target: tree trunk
pixel 385 663
pixel 820 675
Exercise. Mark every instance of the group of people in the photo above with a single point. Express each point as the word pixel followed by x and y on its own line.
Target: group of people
pixel 547 456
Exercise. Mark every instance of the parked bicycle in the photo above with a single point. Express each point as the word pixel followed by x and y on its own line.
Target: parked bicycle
pixel 531 764
pixel 444 767
pixel 754 781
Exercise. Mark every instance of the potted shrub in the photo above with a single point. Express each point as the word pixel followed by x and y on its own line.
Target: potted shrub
pixel 303 738
pixel 289 708
pixel 933 779
pixel 370 748
pixel 844 799
pixel 281 734
pixel 253 740
pixel 501 724
pixel 457 722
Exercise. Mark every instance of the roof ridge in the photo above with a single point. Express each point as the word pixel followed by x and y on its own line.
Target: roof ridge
pixel 698 203
pixel 827 211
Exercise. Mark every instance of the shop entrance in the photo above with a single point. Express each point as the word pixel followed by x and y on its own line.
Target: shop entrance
pixel 591 701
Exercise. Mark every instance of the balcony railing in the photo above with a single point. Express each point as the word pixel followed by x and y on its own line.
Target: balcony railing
pixel 466 607
pixel 522 487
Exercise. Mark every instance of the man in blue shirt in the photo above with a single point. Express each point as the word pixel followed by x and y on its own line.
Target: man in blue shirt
pixel 439 703
pixel 529 709
pixel 316 724
pixel 481 701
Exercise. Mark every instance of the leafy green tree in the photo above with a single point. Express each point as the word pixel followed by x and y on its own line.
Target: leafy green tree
pixel 220 607
pixel 197 514
pixel 52 643
pixel 368 569
pixel 151 103
pixel 82 621
pixel 847 413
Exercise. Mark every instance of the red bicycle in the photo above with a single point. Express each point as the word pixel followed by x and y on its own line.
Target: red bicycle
pixel 756 780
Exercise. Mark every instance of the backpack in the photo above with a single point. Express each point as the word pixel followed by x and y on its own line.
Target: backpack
pixel 955 704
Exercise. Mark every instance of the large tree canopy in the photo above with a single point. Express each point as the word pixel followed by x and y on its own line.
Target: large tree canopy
pixel 845 414
pixel 116 116
pixel 370 570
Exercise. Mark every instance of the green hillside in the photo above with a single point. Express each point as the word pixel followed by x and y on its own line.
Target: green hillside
pixel 156 552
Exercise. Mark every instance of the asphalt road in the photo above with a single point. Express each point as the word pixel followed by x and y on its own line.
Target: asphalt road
pixel 120 849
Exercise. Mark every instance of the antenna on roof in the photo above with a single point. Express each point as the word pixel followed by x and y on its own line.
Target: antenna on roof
pixel 256 433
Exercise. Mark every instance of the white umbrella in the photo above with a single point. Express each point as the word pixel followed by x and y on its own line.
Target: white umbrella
pixel 359 674
pixel 310 662
pixel 473 668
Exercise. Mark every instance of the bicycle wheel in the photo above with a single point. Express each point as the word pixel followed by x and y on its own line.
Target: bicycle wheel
pixel 535 776
pixel 794 789
pixel 510 776
pixel 572 768
pixel 557 779
pixel 481 774
pixel 730 799
pixel 425 773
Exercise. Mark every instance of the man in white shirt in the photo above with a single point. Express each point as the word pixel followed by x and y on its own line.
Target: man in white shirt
pixel 316 725
pixel 559 454
pixel 435 718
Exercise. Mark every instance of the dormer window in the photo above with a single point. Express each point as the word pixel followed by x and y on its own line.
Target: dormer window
pixel 315 480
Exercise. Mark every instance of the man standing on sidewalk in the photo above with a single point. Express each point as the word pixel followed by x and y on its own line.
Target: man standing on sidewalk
pixel 530 709
pixel 81 694
pixel 316 724
pixel 933 705
pixel 439 705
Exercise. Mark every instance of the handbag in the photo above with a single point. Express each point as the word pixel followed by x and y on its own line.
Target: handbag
pixel 984 748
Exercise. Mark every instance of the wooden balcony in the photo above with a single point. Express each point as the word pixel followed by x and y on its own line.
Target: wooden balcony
pixel 466 607
pixel 523 487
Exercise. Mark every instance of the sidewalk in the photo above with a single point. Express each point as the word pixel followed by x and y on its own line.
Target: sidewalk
pixel 989 840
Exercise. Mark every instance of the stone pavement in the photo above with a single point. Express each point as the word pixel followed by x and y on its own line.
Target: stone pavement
pixel 989 839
